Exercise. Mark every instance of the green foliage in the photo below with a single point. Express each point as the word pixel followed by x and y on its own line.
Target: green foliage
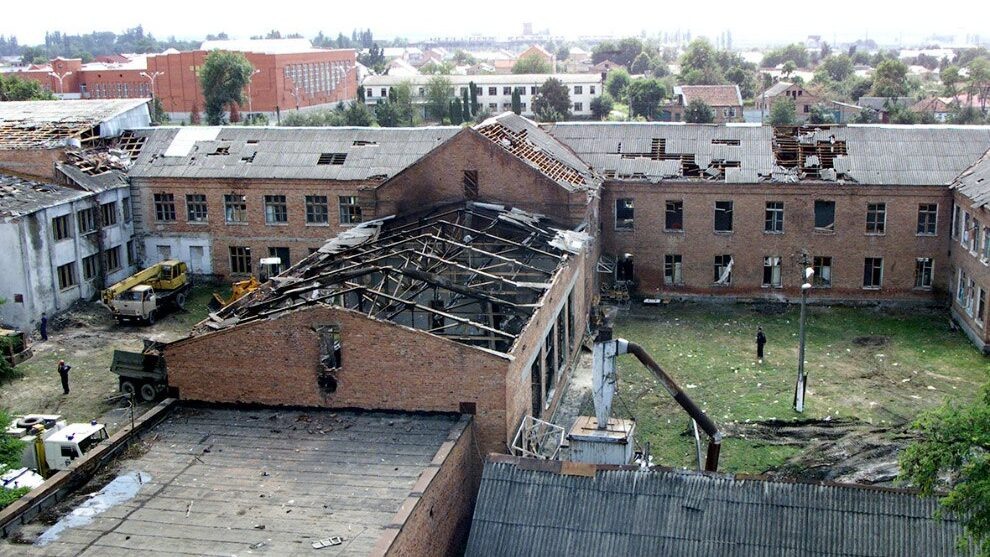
pixel 642 64
pixel 10 447
pixel 837 67
pixel 373 58
pixel 698 112
pixel 462 58
pixel 473 92
pixel 531 64
pixel 401 96
pixel 616 83
pixel 433 68
pixel 601 106
pixel 866 116
pixel 255 119
pixel 859 87
pixel 788 68
pixel 7 370
pixel 158 114
pixel 978 84
pixel 13 88
pixel 439 91
pixel 553 102
pixel 700 64
pixel 900 114
pixel 821 114
pixel 516 101
pixel 465 106
pixel 622 53
pixel 954 453
pixel 8 496
pixel 950 80
pixel 563 53
pixel 97 43
pixel 224 76
pixel 357 114
pixel 968 115
pixel 795 53
pixel 890 79
pixel 645 95
pixel 455 113
pixel 387 114
pixel 783 112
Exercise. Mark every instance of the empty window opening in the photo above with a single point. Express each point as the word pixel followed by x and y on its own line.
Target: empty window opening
pixel 623 214
pixel 225 150
pixel 723 270
pixel 723 216
pixel 823 271
pixel 535 373
pixel 674 216
pixel 332 158
pixel 549 366
pixel 471 184
pixel 672 270
pixel 771 272
pixel 331 351
pixel 624 268
pixel 364 143
pixel 824 216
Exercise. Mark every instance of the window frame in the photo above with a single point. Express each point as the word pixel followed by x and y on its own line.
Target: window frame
pixel 873 270
pixel 673 269
pixel 823 229
pixel 776 270
pixel 818 263
pixel 198 207
pixel 720 263
pixel 312 203
pixel 235 209
pixel 61 228
pixel 725 211
pixel 879 226
pixel 673 207
pixel 69 279
pixel 773 217
pixel 349 212
pixel 241 255
pixel 629 205
pixel 927 218
pixel 923 265
pixel 164 206
pixel 276 207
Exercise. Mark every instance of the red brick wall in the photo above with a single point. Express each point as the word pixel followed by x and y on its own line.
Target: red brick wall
pixel 33 163
pixel 385 367
pixel 436 518
pixel 976 268
pixel 297 235
pixel 748 244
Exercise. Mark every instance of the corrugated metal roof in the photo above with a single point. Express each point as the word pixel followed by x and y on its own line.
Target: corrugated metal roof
pixel 974 183
pixel 634 512
pixel 22 197
pixel 74 111
pixel 288 153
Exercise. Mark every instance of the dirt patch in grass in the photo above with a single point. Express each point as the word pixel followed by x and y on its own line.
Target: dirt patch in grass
pixel 871 340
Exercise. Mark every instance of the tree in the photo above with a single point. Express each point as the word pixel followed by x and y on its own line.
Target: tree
pixel 644 97
pixel 950 80
pixel 473 92
pixel 890 79
pixel 456 113
pixel 622 53
pixel 788 68
pixel 462 58
pixel 434 68
pixel 374 58
pixel 553 102
pixel 194 117
pixel 820 114
pixel 33 55
pixel 224 76
pixel 465 106
pixel 235 113
pixel 601 106
pixel 563 53
pixel 158 114
pixel 531 64
pixel 642 64
pixel 401 96
pixel 979 81
pixel 616 83
pixel 13 88
pixel 358 114
pixel 793 52
pixel 866 116
pixel 439 90
pixel 698 112
pixel 783 112
pixel 387 114
pixel 699 64
pixel 516 101
pixel 968 115
pixel 954 453
pixel 837 67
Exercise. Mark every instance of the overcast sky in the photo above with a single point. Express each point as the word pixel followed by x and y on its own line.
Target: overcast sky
pixel 772 21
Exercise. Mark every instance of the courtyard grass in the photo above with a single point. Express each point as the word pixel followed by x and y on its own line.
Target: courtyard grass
pixel 880 366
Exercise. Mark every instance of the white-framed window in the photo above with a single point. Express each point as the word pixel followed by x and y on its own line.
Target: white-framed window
pixel 672 270
pixel 876 218
pixel 986 245
pixel 927 219
pixel 235 208
pixel 974 242
pixel 773 222
pixel 965 233
pixel 771 271
pixel 955 221
pixel 873 273
pixel 923 273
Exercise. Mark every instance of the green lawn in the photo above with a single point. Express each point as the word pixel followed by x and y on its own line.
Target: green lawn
pixel 709 349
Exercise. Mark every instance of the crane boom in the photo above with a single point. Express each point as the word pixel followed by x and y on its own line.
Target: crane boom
pixel 164 275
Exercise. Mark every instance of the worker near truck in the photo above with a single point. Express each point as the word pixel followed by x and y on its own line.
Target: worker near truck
pixel 63 373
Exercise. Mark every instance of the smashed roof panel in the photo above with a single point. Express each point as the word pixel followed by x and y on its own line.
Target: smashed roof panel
pixel 32 124
pixel 474 274
pixel 861 154
pixel 20 197
pixel 286 153
pixel 974 182
pixel 525 140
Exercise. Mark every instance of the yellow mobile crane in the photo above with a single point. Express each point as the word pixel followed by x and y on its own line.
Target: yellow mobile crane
pixel 145 293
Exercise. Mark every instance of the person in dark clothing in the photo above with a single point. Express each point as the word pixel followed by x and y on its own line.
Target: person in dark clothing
pixel 44 326
pixel 63 373
pixel 761 340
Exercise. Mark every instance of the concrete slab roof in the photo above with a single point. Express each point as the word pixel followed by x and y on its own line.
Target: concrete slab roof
pixel 272 481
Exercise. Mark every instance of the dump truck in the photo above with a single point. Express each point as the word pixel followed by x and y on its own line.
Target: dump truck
pixel 141 374
pixel 145 294
pixel 51 444
pixel 14 346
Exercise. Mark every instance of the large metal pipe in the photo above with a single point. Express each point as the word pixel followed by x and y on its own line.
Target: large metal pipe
pixel 696 413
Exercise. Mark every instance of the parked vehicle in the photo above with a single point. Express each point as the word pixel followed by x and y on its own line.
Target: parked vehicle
pixel 51 444
pixel 141 374
pixel 145 294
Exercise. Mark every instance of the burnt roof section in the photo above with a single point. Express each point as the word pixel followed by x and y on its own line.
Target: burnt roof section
pixel 527 507
pixel 974 182
pixel 32 124
pixel 531 144
pixel 473 274
pixel 20 197
pixel 747 153
pixel 339 153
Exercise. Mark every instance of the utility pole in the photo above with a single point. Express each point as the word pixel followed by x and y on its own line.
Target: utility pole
pixel 802 377
pixel 60 77
pixel 152 77
pixel 254 73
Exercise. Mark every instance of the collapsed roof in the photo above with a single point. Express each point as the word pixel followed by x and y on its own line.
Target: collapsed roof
pixel 744 153
pixel 33 124
pixel 974 183
pixel 20 197
pixel 474 274
pixel 337 153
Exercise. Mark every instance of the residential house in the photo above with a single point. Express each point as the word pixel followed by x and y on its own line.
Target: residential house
pixel 803 99
pixel 725 101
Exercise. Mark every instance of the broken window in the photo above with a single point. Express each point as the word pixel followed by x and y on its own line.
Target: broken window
pixel 125 205
pixel 561 340
pixel 331 158
pixel 240 260
pixel 549 365
pixel 196 210
pixel 723 270
pixel 672 270
pixel 974 242
pixel 986 244
pixel 624 268
pixel 927 219
pixel 471 184
pixel 164 207
pixel 955 221
pixel 981 306
pixel 86 219
pixel 331 352
pixel 964 235
pixel 66 275
pixel 774 217
pixel 723 216
pixel 771 271
pixel 90 266
pixel 876 218
pixel 624 214
pixel 923 273
pixel 109 213
pixel 537 388
pixel 112 258
pixel 317 211
pixel 824 216
pixel 674 216
pixel 235 208
pixel 823 271
pixel 873 272
pixel 60 228
pixel 283 258
pixel 276 210
pixel 350 210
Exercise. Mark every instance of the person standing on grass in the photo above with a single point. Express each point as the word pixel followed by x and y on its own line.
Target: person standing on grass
pixel 44 326
pixel 63 373
pixel 761 340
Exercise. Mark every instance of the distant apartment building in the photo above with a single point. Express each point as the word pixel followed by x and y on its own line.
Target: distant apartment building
pixel 289 74
pixel 494 91
pixel 724 100
pixel 803 99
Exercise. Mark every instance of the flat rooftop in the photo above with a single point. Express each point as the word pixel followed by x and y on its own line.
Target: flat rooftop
pixel 222 481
